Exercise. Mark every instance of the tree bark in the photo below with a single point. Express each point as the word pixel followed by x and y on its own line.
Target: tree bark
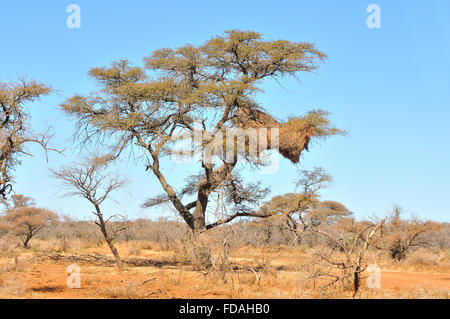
pixel 25 242
pixel 200 211
pixel 108 240
pixel 29 236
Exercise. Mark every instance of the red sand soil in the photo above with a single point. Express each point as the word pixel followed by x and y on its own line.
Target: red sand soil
pixel 401 280
pixel 49 281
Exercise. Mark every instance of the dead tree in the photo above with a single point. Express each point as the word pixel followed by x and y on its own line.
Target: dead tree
pixel 90 181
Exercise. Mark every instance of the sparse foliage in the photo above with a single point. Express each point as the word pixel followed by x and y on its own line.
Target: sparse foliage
pixel 353 240
pixel 90 181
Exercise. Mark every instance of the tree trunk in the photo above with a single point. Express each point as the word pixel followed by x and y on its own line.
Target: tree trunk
pixel 25 242
pixel 356 280
pixel 185 214
pixel 108 240
pixel 114 252
pixel 200 211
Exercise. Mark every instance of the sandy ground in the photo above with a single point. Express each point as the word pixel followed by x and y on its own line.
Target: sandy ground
pixel 48 279
pixel 401 280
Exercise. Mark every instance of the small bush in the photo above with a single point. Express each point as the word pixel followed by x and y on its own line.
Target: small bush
pixel 10 286
pixel 132 290
pixel 8 247
pixel 423 257
pixel 197 253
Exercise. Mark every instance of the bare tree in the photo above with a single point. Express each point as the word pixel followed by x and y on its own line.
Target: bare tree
pixel 351 238
pixel 90 181
pixel 213 85
pixel 15 131
pixel 305 214
pixel 25 221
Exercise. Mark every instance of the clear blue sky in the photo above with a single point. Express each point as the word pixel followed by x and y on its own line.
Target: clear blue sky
pixel 388 87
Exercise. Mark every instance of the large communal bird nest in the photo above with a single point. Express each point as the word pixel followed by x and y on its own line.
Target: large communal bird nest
pixel 294 135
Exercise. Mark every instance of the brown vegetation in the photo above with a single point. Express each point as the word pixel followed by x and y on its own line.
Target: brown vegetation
pixel 400 235
pixel 160 261
pixel 24 220
pixel 294 245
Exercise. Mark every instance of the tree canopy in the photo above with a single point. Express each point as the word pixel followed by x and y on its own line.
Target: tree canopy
pixel 15 130
pixel 24 220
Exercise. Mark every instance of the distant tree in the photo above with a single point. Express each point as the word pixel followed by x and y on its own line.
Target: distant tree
pixel 21 201
pixel 26 221
pixel 90 180
pixel 17 200
pixel 212 85
pixel 15 131
pixel 300 211
pixel 400 235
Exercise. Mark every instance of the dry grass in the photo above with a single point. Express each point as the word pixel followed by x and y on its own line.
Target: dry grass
pixel 8 247
pixel 129 290
pixel 12 287
pixel 218 271
pixel 11 283
pixel 423 257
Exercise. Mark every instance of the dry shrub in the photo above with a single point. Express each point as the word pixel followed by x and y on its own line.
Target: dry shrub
pixel 425 293
pixel 133 249
pixel 11 286
pixel 261 266
pixel 62 244
pixel 424 257
pixel 59 245
pixel 323 275
pixel 132 290
pixel 138 245
pixel 144 244
pixel 445 258
pixel 209 254
pixel 195 250
pixel 19 265
pixel 8 247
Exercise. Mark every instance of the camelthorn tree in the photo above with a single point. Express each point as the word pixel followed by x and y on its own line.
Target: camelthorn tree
pixel 215 85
